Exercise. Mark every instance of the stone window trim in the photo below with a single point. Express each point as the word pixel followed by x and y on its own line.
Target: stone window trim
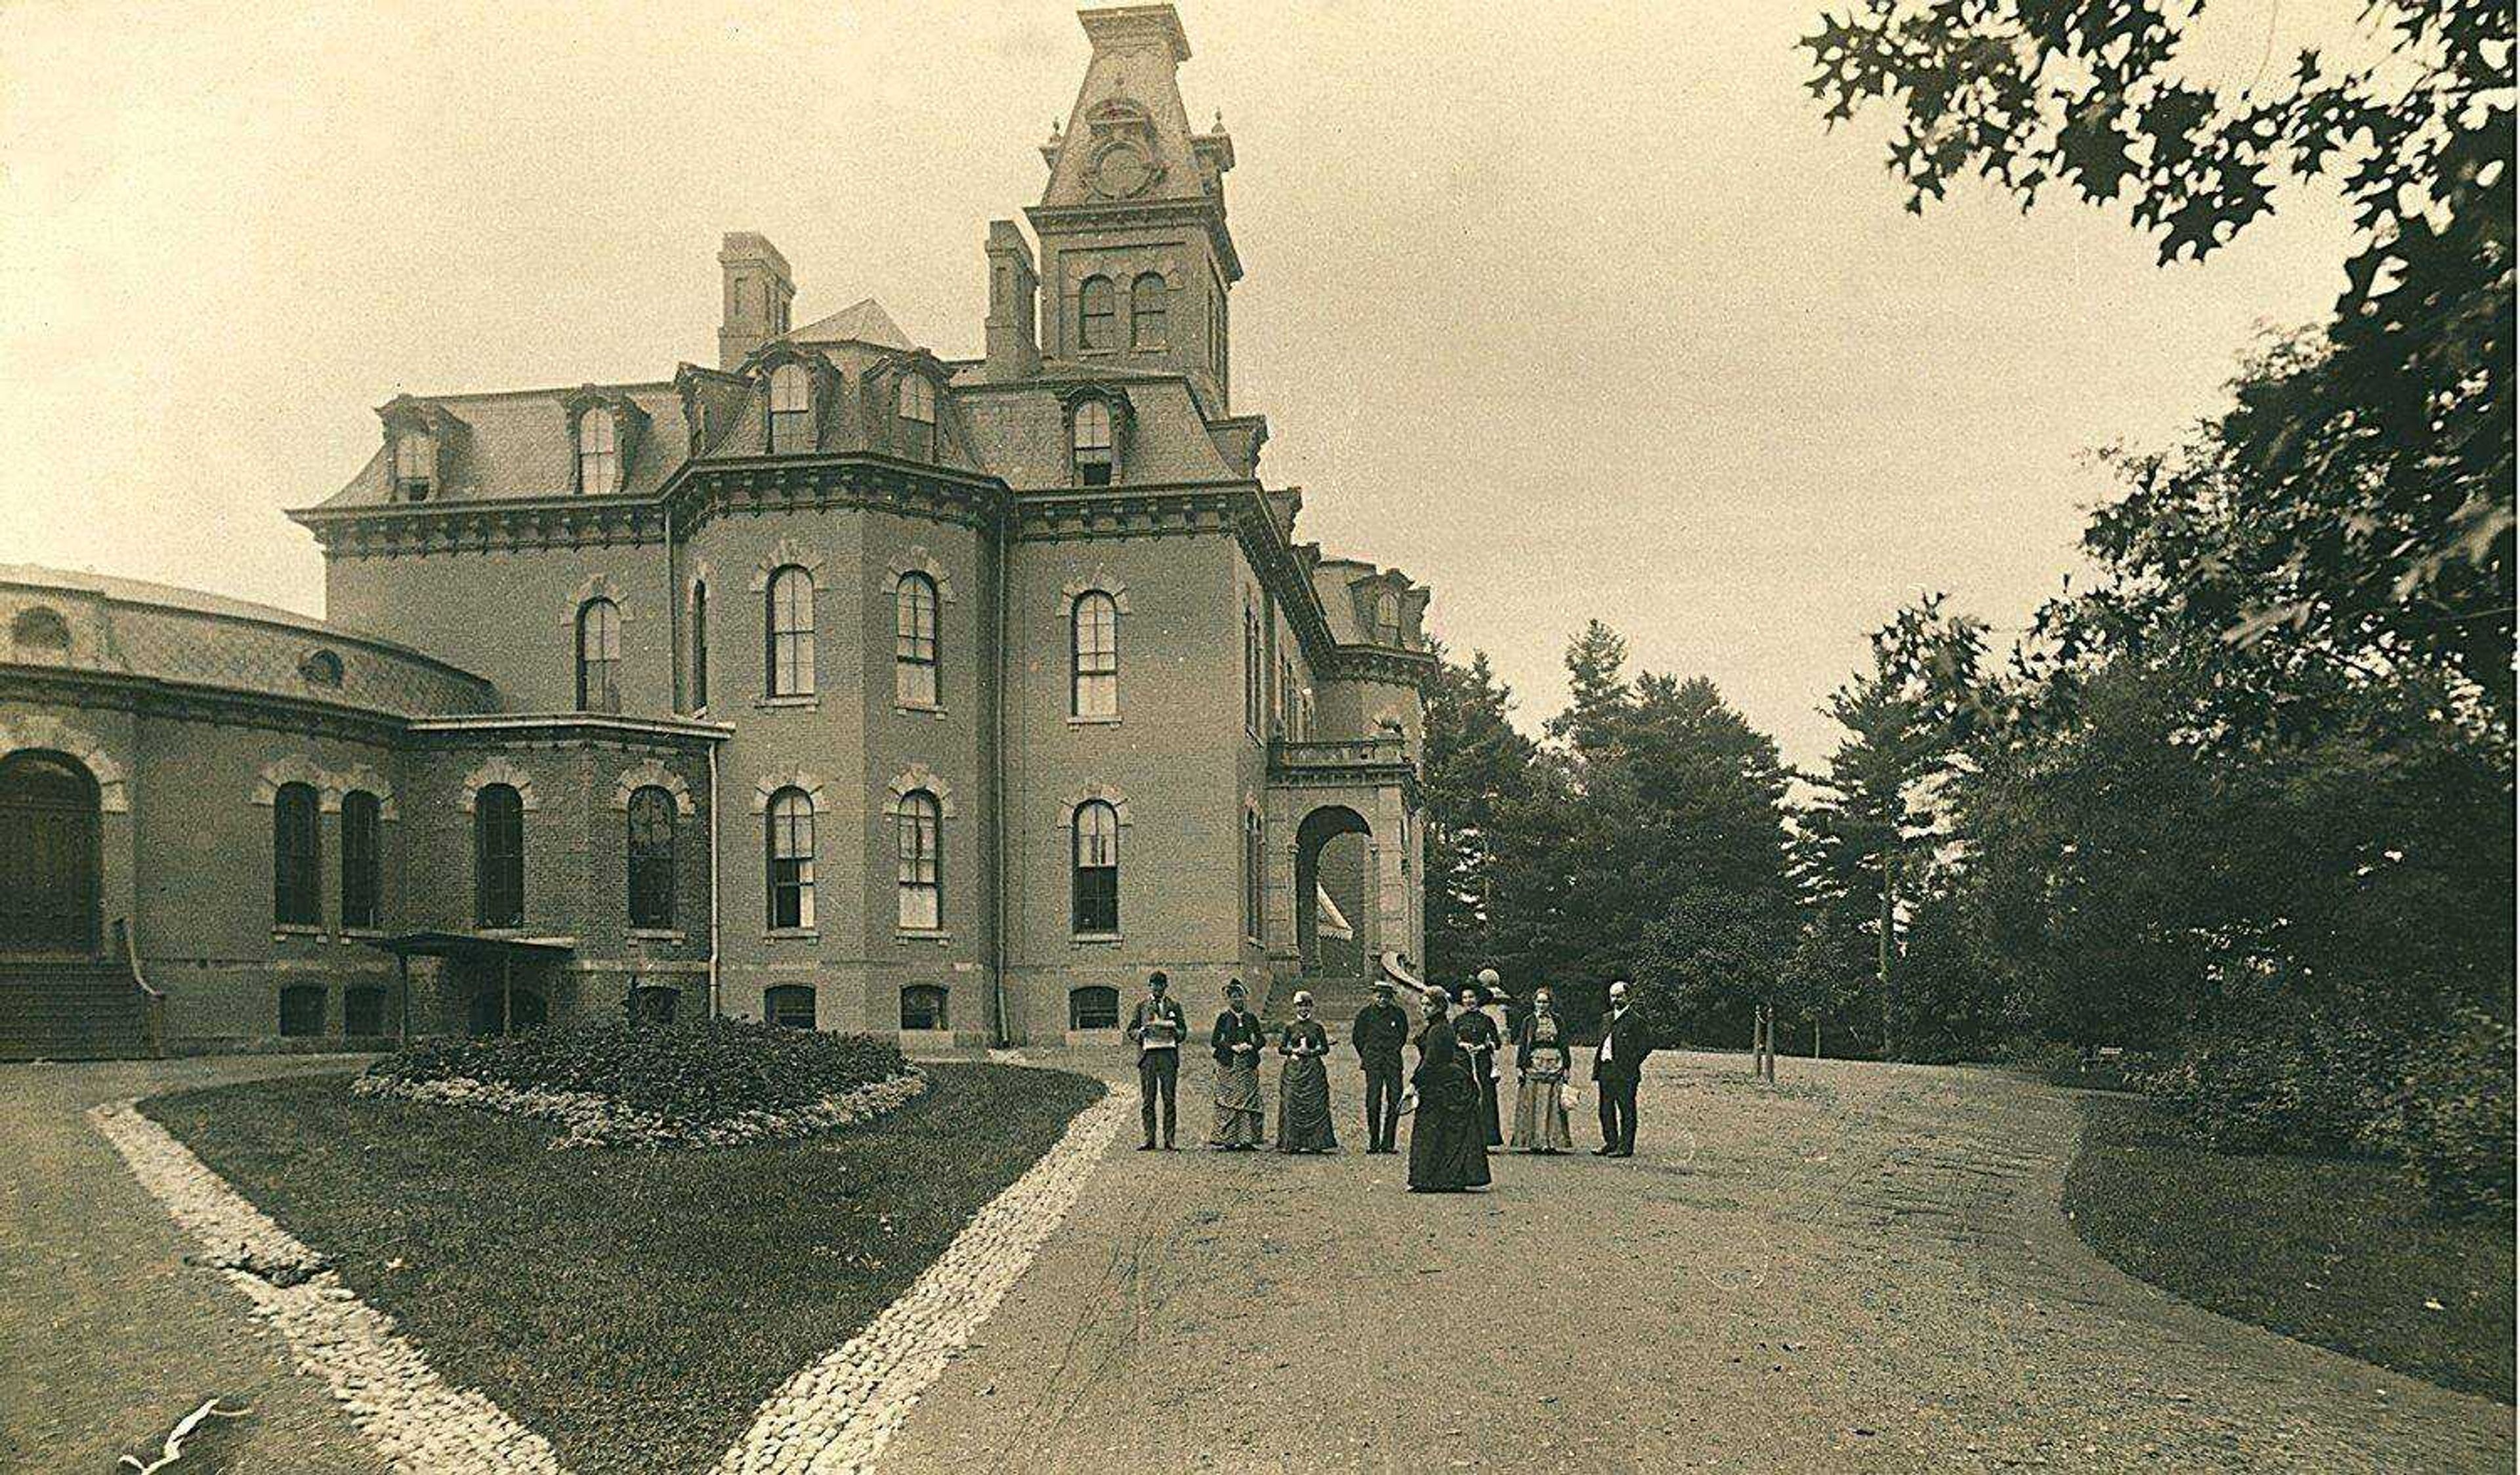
pixel 629 426
pixel 501 769
pixel 40 731
pixel 938 935
pixel 1113 398
pixel 805 701
pixel 1077 799
pixel 788 552
pixel 916 558
pixel 651 774
pixel 594 586
pixel 912 780
pixel 1100 583
pixel 329 785
pixel 810 785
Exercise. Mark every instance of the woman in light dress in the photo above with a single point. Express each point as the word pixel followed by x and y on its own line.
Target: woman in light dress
pixel 1540 1055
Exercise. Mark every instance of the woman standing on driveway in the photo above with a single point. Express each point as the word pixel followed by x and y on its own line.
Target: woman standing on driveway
pixel 1236 1038
pixel 1304 1084
pixel 1540 1062
pixel 1448 1146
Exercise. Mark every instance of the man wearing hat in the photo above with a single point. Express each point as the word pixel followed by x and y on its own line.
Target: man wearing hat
pixel 1616 1063
pixel 1382 1031
pixel 1158 1027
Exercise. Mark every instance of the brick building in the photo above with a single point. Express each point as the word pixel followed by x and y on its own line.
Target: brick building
pixel 834 682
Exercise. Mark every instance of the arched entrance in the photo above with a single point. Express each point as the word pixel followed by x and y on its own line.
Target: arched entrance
pixel 49 860
pixel 1335 893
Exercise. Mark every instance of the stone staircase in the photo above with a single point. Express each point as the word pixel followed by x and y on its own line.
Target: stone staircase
pixel 72 1009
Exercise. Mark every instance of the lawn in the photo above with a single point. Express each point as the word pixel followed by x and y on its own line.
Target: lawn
pixel 632 1307
pixel 2336 1251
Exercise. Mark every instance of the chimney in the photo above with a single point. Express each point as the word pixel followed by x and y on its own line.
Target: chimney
pixel 758 290
pixel 1015 346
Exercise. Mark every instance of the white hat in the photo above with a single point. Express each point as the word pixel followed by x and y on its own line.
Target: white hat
pixel 1619 989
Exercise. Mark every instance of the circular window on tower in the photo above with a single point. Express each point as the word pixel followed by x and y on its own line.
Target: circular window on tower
pixel 1121 170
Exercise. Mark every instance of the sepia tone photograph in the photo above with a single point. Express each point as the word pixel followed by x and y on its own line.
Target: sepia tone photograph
pixel 930 737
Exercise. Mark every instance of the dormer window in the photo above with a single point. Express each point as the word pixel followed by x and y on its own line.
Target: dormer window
pixel 1387 619
pixel 917 404
pixel 415 461
pixel 791 409
pixel 1098 315
pixel 598 454
pixel 1091 440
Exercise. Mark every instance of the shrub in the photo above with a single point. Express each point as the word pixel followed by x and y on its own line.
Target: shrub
pixel 2452 1116
pixel 707 1071
pixel 2292 1077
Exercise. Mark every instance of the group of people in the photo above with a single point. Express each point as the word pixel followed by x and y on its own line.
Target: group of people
pixel 1454 1089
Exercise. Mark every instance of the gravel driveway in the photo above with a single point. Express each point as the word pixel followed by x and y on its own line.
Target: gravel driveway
pixel 107 1337
pixel 1863 1269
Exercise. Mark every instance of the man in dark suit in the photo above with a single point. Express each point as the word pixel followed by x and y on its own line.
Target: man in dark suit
pixel 1617 1062
pixel 1382 1031
pixel 1158 1027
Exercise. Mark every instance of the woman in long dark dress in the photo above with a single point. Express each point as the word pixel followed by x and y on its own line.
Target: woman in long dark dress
pixel 1446 1151
pixel 1236 1041
pixel 1480 1043
pixel 1304 1084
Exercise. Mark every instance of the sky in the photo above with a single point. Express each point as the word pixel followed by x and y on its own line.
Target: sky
pixel 1569 310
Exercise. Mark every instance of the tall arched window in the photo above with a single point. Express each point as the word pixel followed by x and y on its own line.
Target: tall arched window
pixel 498 857
pixel 1251 670
pixel 791 409
pixel 1255 852
pixel 914 624
pixel 599 656
pixel 1147 311
pixel 792 860
pixel 415 466
pixel 652 856
pixel 296 856
pixel 1097 309
pixel 1092 442
pixel 362 859
pixel 1094 655
pixel 1387 619
pixel 699 646
pixel 790 632
pixel 1093 870
pixel 917 402
pixel 599 457
pixel 916 836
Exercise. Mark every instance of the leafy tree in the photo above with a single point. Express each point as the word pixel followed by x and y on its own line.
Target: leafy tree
pixel 2357 504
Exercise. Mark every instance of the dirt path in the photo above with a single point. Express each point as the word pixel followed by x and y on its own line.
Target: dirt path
pixel 1864 1271
pixel 109 1336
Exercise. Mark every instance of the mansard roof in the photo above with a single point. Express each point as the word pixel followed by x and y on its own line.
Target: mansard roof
pixel 518 444
pixel 862 322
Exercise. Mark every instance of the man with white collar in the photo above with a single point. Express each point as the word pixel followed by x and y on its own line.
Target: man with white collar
pixel 1617 1064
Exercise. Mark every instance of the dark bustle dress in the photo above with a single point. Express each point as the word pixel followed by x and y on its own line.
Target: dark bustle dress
pixel 1304 1090
pixel 1447 1148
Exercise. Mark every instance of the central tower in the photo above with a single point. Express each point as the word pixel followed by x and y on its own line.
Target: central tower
pixel 1137 261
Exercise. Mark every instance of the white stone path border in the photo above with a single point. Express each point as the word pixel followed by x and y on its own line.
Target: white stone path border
pixel 394 1396
pixel 836 1416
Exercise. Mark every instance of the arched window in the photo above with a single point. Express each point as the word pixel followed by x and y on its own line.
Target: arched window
pixel 1094 655
pixel 1095 1006
pixel 790 629
pixel 1097 307
pixel 40 631
pixel 790 1005
pixel 415 461
pixel 791 409
pixel 699 646
pixel 362 859
pixel 1255 854
pixel 914 624
pixel 652 858
pixel 1387 619
pixel 917 408
pixel 598 458
pixel 1251 669
pixel 1094 871
pixel 1091 441
pixel 1147 311
pixel 790 840
pixel 320 668
pixel 498 857
pixel 921 884
pixel 923 1007
pixel 599 656
pixel 297 857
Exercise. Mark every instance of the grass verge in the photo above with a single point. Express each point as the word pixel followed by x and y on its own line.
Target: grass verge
pixel 2339 1252
pixel 633 1308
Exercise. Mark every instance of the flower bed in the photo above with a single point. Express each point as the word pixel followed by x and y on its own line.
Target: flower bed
pixel 714 1083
